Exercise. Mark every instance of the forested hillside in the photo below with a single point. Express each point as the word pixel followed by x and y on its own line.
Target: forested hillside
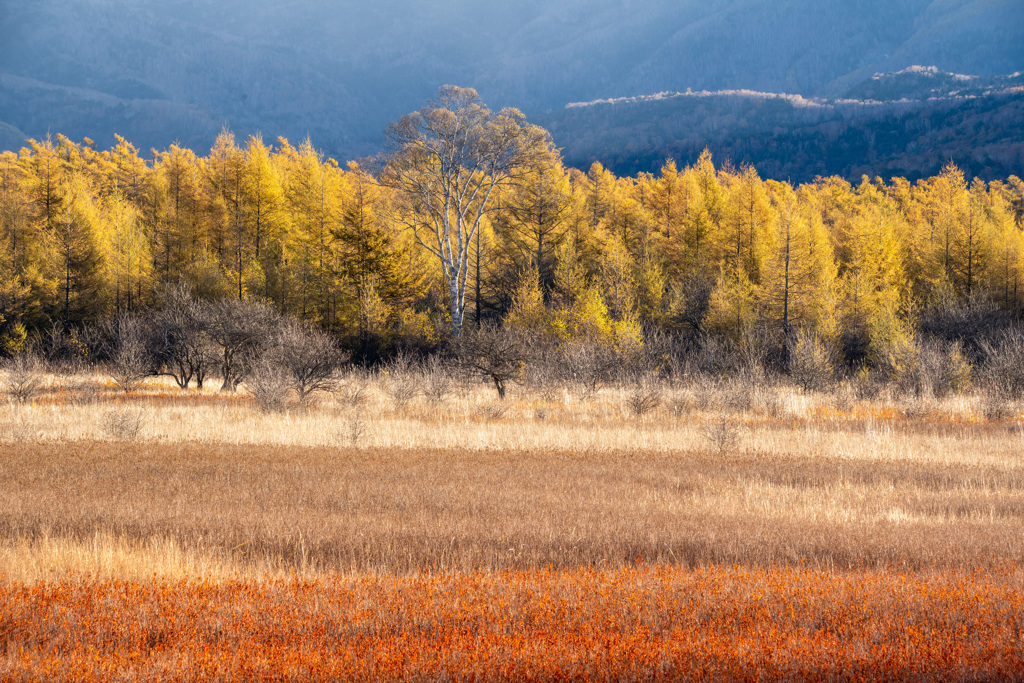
pixel 178 71
pixel 87 233
pixel 909 124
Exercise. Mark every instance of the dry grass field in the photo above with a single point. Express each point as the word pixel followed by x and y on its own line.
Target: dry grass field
pixel 719 531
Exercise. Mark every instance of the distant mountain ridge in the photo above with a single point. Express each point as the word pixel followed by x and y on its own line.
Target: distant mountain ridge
pixel 920 125
pixel 339 70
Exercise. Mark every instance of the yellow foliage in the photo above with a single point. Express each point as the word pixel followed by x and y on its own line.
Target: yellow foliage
pixel 12 341
pixel 528 311
pixel 732 308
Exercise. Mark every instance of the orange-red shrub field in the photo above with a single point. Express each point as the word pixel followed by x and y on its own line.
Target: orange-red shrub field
pixel 641 623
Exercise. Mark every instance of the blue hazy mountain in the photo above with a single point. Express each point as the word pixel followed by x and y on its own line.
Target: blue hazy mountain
pixel 159 71
pixel 909 124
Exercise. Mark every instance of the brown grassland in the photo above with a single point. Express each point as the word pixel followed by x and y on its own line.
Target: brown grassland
pixel 729 532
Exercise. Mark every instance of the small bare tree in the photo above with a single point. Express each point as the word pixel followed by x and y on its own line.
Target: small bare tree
pixel 722 434
pixel 353 387
pixel 1003 369
pixel 181 345
pixel 499 355
pixel 309 358
pixel 241 329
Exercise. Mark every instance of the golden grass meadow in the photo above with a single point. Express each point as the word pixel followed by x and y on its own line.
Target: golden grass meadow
pixel 727 533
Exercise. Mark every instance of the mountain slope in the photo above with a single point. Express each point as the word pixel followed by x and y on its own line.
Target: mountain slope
pixel 979 124
pixel 339 71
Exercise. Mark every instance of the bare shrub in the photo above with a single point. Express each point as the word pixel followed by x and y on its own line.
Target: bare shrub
pixel 25 374
pixel 739 397
pixel 766 400
pixel 122 424
pixel 707 393
pixel 492 412
pixel 644 397
pixel 129 362
pixel 588 365
pixel 680 404
pixel 402 380
pixel 437 379
pixel 308 357
pixel 64 348
pixel 810 363
pixel 941 369
pixel 269 385
pixel 1003 364
pixel 717 356
pixel 722 434
pixel 866 386
pixel 352 388
pixel 179 340
pixel 542 375
pixel 995 408
pixel 969 321
pixel 761 349
pixel 354 428
pixel 81 392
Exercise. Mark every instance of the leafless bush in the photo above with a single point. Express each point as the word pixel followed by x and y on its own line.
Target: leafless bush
pixel 941 369
pixel 81 392
pixel 810 363
pixel 352 388
pixel 681 404
pixel 64 348
pixel 437 379
pixel 492 412
pixel 995 408
pixel 1003 369
pixel 644 397
pixel 354 428
pixel 707 392
pixel 766 400
pixel 269 385
pixel 308 357
pixel 760 350
pixel 739 396
pixel 722 434
pixel 25 374
pixel 717 356
pixel 588 366
pixel 129 362
pixel 402 380
pixel 122 424
pixel 866 386
pixel 969 321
